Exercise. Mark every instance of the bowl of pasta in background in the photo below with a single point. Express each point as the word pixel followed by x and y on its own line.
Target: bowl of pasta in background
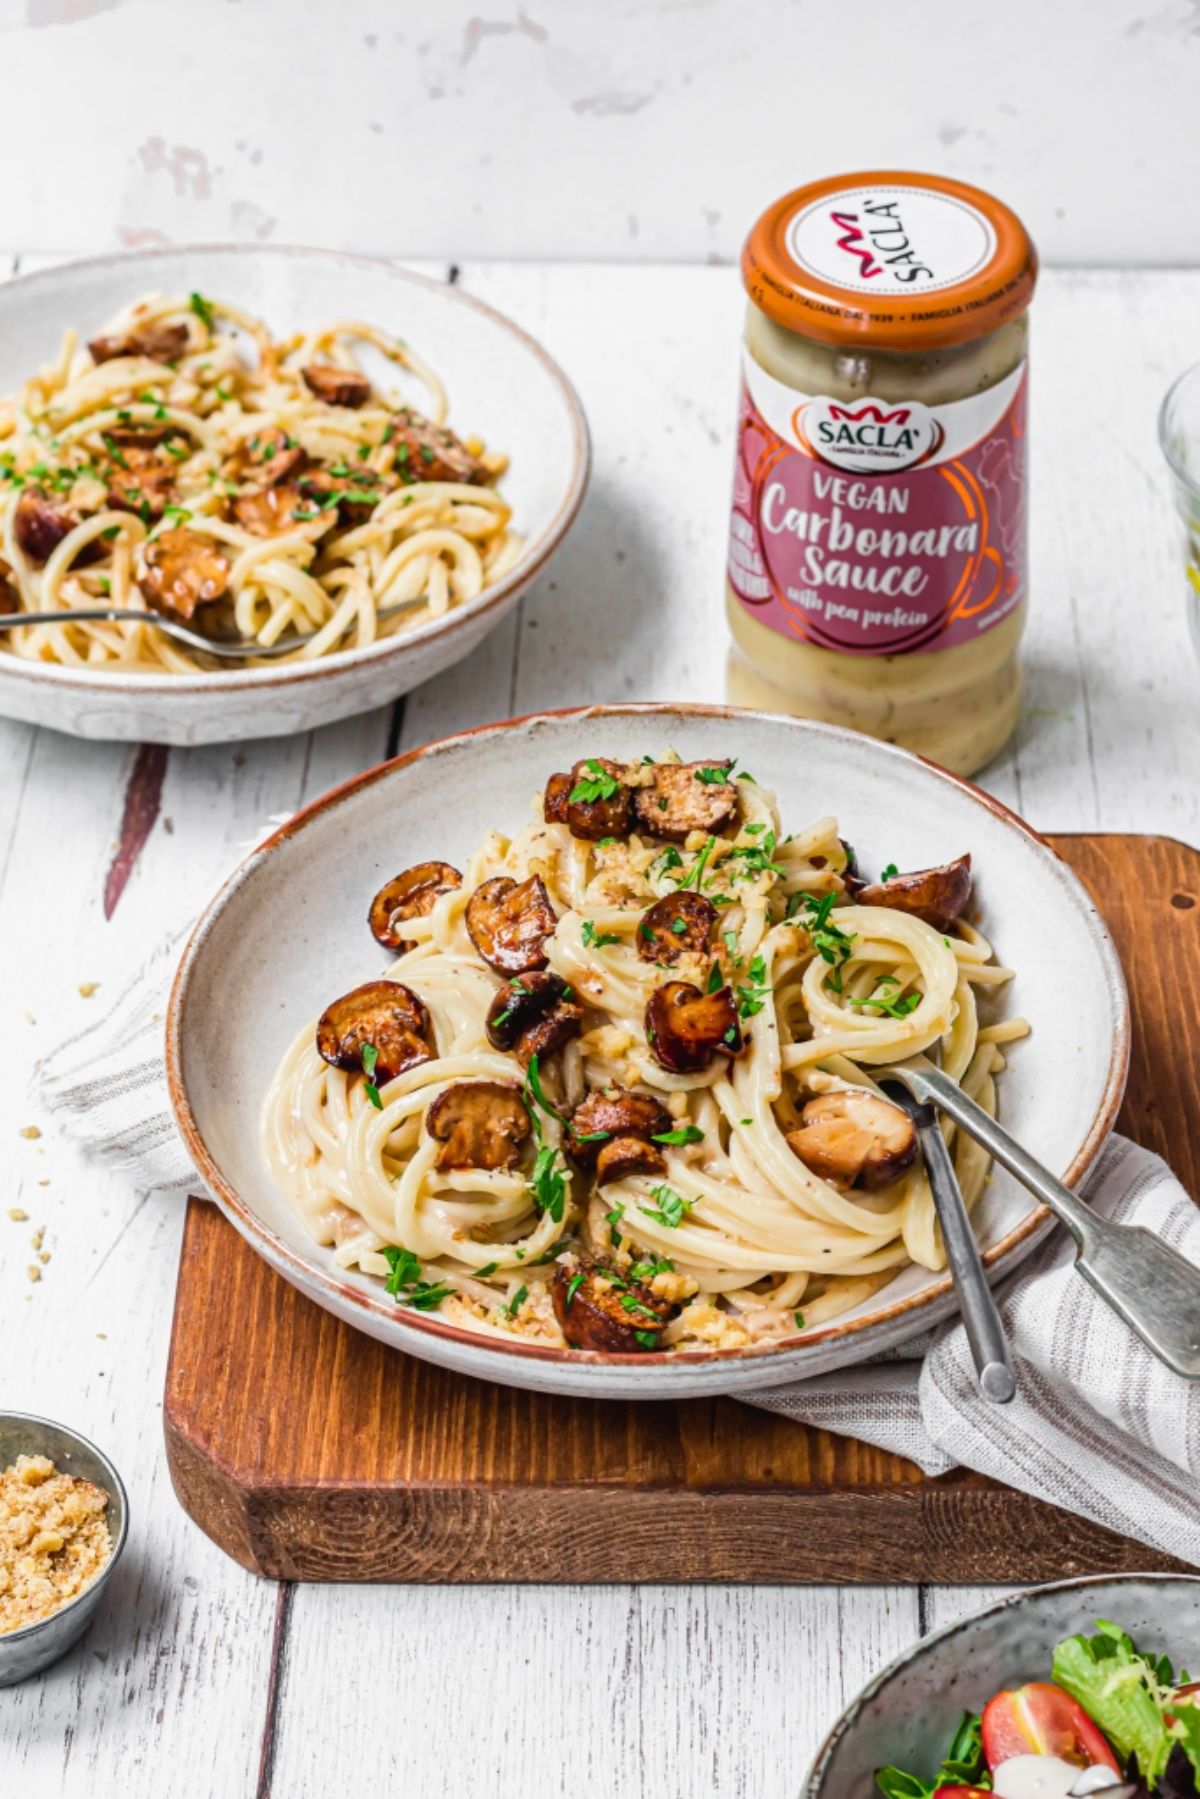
pixel 286 935
pixel 907 1715
pixel 502 389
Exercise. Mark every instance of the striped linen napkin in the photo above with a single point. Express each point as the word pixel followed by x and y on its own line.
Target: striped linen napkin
pixel 1099 1427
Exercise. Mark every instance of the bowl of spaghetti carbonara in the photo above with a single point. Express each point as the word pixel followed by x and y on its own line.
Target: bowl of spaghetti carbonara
pixel 267 449
pixel 583 1090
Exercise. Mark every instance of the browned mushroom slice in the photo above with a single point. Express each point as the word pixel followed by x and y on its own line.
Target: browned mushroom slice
pixel 412 894
pixel 336 386
pixel 480 1124
pixel 686 1028
pixel 509 924
pixel 937 895
pixel 598 802
pixel 554 802
pixel 616 1112
pixel 140 482
pixel 181 570
pixel 39 526
pixel 159 342
pixel 10 599
pixel 266 459
pixel 424 451
pixel 533 1014
pixel 273 510
pixel 853 1138
pixel 851 877
pixel 598 1308
pixel 627 1155
pixel 383 1015
pixel 687 796
pixel 677 925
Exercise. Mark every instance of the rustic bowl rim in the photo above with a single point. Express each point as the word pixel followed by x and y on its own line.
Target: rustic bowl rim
pixel 503 1353
pixel 385 649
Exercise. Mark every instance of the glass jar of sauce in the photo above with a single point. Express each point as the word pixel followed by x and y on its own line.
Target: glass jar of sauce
pixel 877 557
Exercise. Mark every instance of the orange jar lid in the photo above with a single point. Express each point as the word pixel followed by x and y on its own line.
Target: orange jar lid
pixel 906 262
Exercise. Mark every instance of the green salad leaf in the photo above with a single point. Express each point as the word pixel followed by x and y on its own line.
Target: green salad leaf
pixel 962 1766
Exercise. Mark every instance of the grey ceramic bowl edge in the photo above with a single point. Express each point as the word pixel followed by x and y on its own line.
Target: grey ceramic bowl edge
pixel 897 1719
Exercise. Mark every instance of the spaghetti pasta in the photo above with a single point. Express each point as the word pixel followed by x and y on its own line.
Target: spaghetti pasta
pixel 162 468
pixel 638 1074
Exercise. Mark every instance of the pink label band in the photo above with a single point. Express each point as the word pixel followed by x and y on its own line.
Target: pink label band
pixel 868 529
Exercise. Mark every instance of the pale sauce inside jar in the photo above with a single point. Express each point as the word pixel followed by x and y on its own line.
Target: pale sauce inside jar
pixel 877 560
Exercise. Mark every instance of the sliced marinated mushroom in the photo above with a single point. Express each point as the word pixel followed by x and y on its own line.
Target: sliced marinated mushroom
pixel 683 797
pixel 509 923
pixel 533 1014
pixel 336 386
pixel 181 571
pixel 598 1308
pixel 599 804
pixel 479 1124
pixel 628 1155
pixel 616 1112
pixel 412 894
pixel 10 599
pixel 140 482
pixel 385 1015
pixel 270 511
pixel 677 925
pixel 937 895
pixel 686 1028
pixel 427 452
pixel 266 459
pixel 39 526
pixel 554 801
pixel 159 342
pixel 853 1138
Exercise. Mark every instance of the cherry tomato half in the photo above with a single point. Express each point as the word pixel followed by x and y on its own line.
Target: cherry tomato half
pixel 962 1793
pixel 1042 1720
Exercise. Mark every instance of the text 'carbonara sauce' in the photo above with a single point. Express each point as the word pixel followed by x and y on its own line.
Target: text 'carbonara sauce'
pixel 877 553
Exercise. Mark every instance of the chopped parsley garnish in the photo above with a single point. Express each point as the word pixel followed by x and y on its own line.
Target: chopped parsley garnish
pixel 405 1285
pixel 573 1285
pixel 203 310
pixel 517 1301
pixel 548 1182
pixel 716 980
pixel 885 1004
pixel 890 872
pixel 179 451
pixel 756 858
pixel 488 1268
pixel 683 1133
pixel 370 1058
pixel 177 512
pixel 594 939
pixel 752 997
pixel 646 1270
pixel 799 1316
pixel 613 1219
pixel 714 777
pixel 647 1339
pixel 672 1207
pixel 732 946
pixel 692 877
pixel 597 784
pixel 831 943
pixel 533 1081
pixel 114 450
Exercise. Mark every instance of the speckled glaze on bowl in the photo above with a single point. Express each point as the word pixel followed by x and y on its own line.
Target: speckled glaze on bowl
pixel 907 1714
pixel 28 1651
pixel 286 934
pixel 501 384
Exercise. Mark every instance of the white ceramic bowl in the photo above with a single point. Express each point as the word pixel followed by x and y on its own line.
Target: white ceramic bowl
pixel 287 933
pixel 501 384
pixel 906 1716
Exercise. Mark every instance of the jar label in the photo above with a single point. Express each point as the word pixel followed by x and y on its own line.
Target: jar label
pixel 878 527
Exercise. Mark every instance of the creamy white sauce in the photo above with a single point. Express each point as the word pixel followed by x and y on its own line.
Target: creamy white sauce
pixel 1049 1777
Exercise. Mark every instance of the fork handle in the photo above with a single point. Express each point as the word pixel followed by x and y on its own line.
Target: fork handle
pixel 1148 1284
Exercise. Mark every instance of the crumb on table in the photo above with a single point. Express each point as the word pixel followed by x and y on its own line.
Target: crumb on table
pixel 17 1214
pixel 31 1131
pixel 54 1539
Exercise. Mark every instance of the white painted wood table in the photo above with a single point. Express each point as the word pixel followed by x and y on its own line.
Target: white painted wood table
pixel 200 1680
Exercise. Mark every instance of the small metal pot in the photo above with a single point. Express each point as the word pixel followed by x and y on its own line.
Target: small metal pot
pixel 28 1651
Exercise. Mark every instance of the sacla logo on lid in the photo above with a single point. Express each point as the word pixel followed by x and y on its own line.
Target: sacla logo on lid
pixel 869 437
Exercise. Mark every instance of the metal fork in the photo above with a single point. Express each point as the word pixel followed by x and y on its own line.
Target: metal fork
pixel 230 648
pixel 1153 1288
pixel 985 1332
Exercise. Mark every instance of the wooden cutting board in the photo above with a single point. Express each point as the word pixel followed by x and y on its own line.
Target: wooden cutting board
pixel 311 1452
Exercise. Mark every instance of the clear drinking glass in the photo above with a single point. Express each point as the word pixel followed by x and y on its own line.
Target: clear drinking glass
pixel 1179 435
